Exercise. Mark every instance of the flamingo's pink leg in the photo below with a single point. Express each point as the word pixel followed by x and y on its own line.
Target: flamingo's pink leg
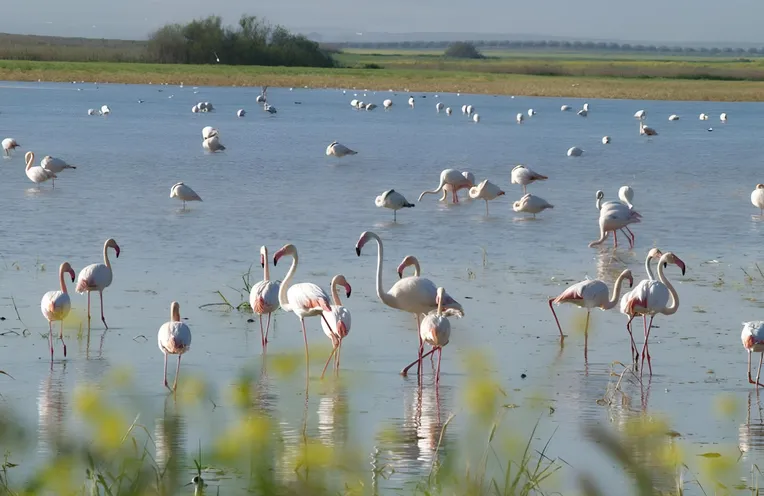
pixel 750 379
pixel 165 369
pixel 437 374
pixel 339 350
pixel 421 347
pixel 645 351
pixel 615 239
pixel 50 339
pixel 633 238
pixel 88 310
pixel 551 307
pixel 305 338
pixel 267 328
pixel 177 373
pixel 61 336
pixel 758 374
pixel 586 336
pixel 262 333
pixel 103 319
pixel 635 355
pixel 405 370
pixel 327 361
pixel 456 197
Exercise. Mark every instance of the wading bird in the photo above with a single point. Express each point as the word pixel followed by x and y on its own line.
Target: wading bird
pixel 55 165
pixel 524 176
pixel 455 179
pixel 407 261
pixel 336 323
pixel 9 145
pixel 338 150
pixel 435 330
pixel 653 254
pixel 55 306
pixel 486 190
pixel 97 277
pixel 753 342
pixel 394 201
pixel 614 216
pixel 264 296
pixel 531 204
pixel 173 338
pixel 184 193
pixel 36 173
pixel 757 198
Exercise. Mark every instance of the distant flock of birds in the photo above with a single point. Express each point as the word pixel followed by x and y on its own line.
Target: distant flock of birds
pixel 430 304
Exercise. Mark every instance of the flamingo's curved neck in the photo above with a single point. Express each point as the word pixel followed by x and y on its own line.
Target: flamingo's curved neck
pixel 436 190
pixel 30 160
pixel 61 279
pixel 674 305
pixel 175 314
pixel 599 203
pixel 266 268
pixel 616 293
pixel 383 295
pixel 106 256
pixel 440 302
pixel 648 269
pixel 283 300
pixel 417 269
pixel 335 293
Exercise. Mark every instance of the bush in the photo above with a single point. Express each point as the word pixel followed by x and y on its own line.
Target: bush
pixel 463 50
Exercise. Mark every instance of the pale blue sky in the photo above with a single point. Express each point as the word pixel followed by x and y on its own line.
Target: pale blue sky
pixel 630 20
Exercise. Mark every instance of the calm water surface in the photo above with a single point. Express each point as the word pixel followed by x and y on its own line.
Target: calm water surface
pixel 274 185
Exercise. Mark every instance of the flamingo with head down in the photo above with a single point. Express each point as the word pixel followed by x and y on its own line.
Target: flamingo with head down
pixel 435 330
pixel 454 178
pixel 339 318
pixel 407 261
pixel 625 194
pixel 614 216
pixel 264 296
pixel 9 145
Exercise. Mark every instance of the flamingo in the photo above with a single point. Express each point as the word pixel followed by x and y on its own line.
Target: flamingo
pixel 476 118
pixel 531 204
pixel 267 107
pixel 213 144
pixel 411 101
pixel 645 130
pixel 449 111
pixel 520 118
pixel 264 296
pixel 55 306
pixel 55 165
pixel 393 200
pixel 184 193
pixel 625 195
pixel 565 108
pixel 435 330
pixel 486 190
pixel 606 140
pixel 469 110
pixel 36 173
pixel 339 317
pixel 241 113
pixel 651 298
pixel 575 151
pixel 305 299
pixel 97 277
pixel 194 109
pixel 339 150
pixel 95 112
pixel 753 342
pixel 524 176
pixel 174 338
pixel 640 114
pixel 9 145
pixel 703 117
pixel 209 132
pixel 590 293
pixel 531 112
pixel 673 117
pixel 439 106
pixel 583 112
pixel 415 295
pixel 261 97
pixel 757 197
pixel 354 103
pixel 456 179
pixel 615 216
pixel 586 107
pixel 448 189
pixel 723 117
pixel 105 110
pixel 407 261
pixel 387 104
pixel 370 106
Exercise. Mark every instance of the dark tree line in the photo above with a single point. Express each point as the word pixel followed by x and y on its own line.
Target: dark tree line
pixel 556 45
pixel 252 42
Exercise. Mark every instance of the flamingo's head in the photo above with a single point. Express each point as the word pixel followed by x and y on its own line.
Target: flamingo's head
pixel 628 276
pixel 407 261
pixel 65 267
pixel 600 194
pixel 110 243
pixel 654 254
pixel 671 258
pixel 263 256
pixel 14 144
pixel 361 241
pixel 439 295
pixel 760 186
pixel 500 193
pixel 341 281
pixel 288 249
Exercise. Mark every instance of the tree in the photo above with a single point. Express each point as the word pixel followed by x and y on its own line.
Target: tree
pixel 463 50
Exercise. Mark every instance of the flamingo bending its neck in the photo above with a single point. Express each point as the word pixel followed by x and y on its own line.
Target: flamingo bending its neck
pixel 455 179
pixel 264 296
pixel 36 173
pixel 339 317
pixel 55 306
pixel 435 330
pixel 407 261
pixel 97 277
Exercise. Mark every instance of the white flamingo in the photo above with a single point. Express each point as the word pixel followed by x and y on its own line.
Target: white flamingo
pixel 565 108
pixel 55 165
pixel 447 188
pixel 105 110
pixel 524 176
pixel 411 101
pixel 97 277
pixel 241 113
pixel 575 151
pixel 339 150
pixel 36 173
pixel 305 299
pixel 173 338
pixel 213 144
pixel 449 111
pixel 9 145
pixel 723 117
pixel 757 198
pixel 209 132
pixel 387 104
pixel 646 130
pixel 486 190
pixel 520 118
pixel 476 118
pixel 625 194
pixel 653 254
pixel 338 319
pixel 455 179
pixel 673 117
pixel 416 295
pixel 264 296
pixel 55 306
pixel 606 140
pixel 531 204
pixel 703 117
pixel 583 112
pixel 753 342
pixel 586 107
pixel 531 112
pixel 439 106
pixel 640 114
pixel 184 193
pixel 614 216
pixel 434 330
pixel 409 260
pixel 261 97
pixel 393 200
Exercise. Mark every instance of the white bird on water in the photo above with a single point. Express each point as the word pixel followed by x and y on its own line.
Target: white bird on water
pixel 264 296
pixel 36 173
pixel 212 144
pixel 411 101
pixel 575 151
pixel 757 197
pixel 531 204
pixel 105 110
pixel 531 112
pixel 241 113
pixel 208 132
pixel 565 108
pixel 520 118
pixel 9 145
pixel 583 112
pixel 586 107
pixel 173 338
pixel 456 179
pixel 606 140
pixel 524 176
pixel 97 277
pixel 486 190
pixel 673 117
pixel 55 165
pixel 723 117
pixel 439 106
pixel 55 306
pixel 476 117
pixel 184 193
pixel 336 323
pixel 640 114
pixel 339 150
pixel 434 330
pixel 394 201
pixel 269 108
pixel 449 111
pixel 645 130
pixel 387 104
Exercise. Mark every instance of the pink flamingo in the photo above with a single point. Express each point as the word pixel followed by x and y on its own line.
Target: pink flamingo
pixel 264 296
pixel 753 342
pixel 455 179
pixel 599 203
pixel 653 298
pixel 174 338
pixel 304 299
pixel 614 216
pixel 406 262
pixel 97 277
pixel 416 295
pixel 590 293
pixel 55 306
pixel 435 330
pixel 339 317
pixel 653 254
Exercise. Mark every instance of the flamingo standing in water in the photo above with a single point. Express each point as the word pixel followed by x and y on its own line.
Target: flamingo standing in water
pixel 97 277
pixel 407 261
pixel 339 318
pixel 753 342
pixel 652 298
pixel 455 179
pixel 416 295
pixel 36 173
pixel 757 198
pixel 435 330
pixel 55 306
pixel 531 204
pixel 448 189
pixel 486 190
pixel 524 176
pixel 614 216
pixel 625 194
pixel 305 299
pixel 590 293
pixel 393 200
pixel 264 296
pixel 173 338
pixel 9 145
pixel 184 193
pixel 55 165
pixel 653 254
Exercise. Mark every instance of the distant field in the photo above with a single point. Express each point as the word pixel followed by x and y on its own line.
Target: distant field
pixel 411 78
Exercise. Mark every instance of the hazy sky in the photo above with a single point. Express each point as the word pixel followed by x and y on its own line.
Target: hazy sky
pixel 631 20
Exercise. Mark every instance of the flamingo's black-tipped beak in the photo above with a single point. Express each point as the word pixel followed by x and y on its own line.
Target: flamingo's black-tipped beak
pixel 358 250
pixel 400 274
pixel 347 293
pixel 275 261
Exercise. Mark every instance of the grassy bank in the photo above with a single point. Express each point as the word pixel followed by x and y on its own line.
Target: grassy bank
pixel 465 78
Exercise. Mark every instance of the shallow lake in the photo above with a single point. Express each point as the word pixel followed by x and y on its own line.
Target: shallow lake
pixel 275 185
